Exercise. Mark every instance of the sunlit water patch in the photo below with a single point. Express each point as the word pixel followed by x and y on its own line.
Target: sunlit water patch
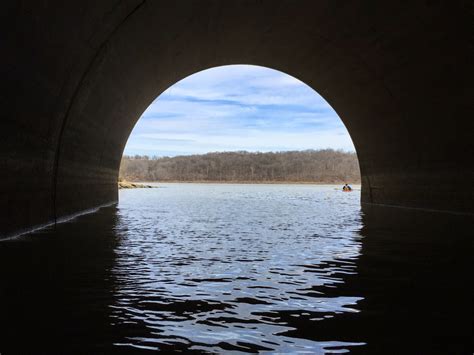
pixel 217 268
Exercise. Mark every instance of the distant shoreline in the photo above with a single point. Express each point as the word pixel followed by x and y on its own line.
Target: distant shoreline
pixel 247 182
pixel 314 167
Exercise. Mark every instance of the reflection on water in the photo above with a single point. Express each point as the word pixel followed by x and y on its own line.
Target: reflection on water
pixel 240 268
pixel 213 267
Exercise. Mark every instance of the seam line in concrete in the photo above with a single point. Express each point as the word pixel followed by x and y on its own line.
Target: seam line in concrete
pixel 69 108
pixel 432 210
pixel 55 222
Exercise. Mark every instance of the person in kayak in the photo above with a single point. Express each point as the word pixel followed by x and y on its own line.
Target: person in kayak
pixel 346 188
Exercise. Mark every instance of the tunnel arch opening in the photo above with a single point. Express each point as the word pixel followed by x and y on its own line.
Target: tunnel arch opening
pixel 240 111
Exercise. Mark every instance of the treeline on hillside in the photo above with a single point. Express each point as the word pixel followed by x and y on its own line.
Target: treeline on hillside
pixel 324 166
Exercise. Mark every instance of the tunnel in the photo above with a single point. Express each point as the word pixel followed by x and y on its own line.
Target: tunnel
pixel 76 76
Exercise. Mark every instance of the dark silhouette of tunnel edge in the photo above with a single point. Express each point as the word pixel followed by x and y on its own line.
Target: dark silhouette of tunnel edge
pixel 89 74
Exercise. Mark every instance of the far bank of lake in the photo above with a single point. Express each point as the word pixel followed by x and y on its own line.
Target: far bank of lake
pixel 353 184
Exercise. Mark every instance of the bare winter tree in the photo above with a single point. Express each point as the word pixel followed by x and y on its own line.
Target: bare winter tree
pixel 323 166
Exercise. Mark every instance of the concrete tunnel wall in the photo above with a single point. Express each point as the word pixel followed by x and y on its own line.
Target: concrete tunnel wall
pixel 77 75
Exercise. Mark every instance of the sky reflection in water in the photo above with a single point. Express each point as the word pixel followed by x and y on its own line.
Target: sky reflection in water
pixel 223 266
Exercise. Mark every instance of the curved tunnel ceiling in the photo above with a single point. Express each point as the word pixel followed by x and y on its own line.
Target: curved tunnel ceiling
pixel 78 76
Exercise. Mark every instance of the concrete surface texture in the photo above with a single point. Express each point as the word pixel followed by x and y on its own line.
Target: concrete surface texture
pixel 76 76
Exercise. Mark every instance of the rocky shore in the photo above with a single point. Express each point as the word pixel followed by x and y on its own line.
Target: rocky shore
pixel 132 185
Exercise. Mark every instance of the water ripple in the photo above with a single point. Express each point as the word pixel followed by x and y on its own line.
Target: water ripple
pixel 231 268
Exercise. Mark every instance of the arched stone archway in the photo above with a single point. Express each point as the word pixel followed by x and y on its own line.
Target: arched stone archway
pixel 78 76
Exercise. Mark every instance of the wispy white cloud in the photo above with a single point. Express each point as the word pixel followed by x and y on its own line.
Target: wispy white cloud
pixel 237 107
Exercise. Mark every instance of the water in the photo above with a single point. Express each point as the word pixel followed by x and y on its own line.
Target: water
pixel 219 266
pixel 235 269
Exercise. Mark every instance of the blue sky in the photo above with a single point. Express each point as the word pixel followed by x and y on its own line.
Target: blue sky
pixel 237 107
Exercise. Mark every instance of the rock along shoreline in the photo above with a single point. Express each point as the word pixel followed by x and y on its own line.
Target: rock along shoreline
pixel 133 185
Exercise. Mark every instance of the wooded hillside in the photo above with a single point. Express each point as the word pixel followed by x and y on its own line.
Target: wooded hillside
pixel 324 166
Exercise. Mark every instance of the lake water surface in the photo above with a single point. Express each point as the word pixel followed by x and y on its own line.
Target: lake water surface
pixel 225 268
pixel 222 266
